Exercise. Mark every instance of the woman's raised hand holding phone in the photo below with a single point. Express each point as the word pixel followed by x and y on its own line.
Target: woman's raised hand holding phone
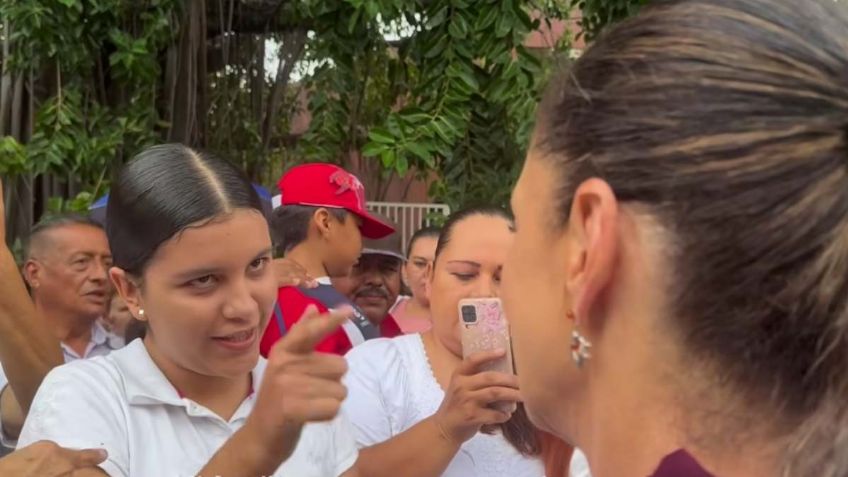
pixel 469 398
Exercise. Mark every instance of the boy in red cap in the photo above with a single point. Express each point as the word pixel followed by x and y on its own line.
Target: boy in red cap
pixel 320 224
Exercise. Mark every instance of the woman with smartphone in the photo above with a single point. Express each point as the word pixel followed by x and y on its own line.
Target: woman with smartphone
pixel 192 255
pixel 682 222
pixel 417 407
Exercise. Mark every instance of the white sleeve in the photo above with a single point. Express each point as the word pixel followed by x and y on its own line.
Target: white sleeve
pixel 579 465
pixel 375 382
pixel 5 440
pixel 346 452
pixel 78 406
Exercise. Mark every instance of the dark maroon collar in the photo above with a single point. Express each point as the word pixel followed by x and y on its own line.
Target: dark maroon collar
pixel 680 464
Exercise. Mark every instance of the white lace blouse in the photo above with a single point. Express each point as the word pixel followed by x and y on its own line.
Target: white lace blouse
pixel 391 388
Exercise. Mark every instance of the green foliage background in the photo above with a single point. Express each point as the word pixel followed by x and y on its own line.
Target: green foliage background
pixel 442 89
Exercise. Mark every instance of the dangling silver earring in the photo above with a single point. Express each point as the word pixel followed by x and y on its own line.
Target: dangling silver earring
pixel 140 312
pixel 580 348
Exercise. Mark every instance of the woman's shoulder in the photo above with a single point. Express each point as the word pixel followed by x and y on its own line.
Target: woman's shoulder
pixel 114 376
pixel 385 350
pixel 392 365
pixel 77 404
pixel 100 371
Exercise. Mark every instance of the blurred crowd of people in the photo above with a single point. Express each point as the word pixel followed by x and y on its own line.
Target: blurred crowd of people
pixel 675 278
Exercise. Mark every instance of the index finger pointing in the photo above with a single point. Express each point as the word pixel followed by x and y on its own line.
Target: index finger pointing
pixel 312 328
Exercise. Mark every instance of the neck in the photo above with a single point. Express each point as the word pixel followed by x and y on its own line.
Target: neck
pixel 417 309
pixel 307 259
pixel 628 434
pixel 221 395
pixel 442 360
pixel 632 432
pixel 375 320
pixel 71 329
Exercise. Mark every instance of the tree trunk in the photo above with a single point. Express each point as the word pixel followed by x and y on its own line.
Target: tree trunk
pixel 16 123
pixel 5 82
pixel 291 51
pixel 184 100
pixel 257 78
pixel 202 83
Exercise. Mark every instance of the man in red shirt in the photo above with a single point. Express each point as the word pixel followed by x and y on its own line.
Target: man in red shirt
pixel 319 225
pixel 375 282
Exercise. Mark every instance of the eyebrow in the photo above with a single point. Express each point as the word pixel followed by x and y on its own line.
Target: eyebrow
pixel 201 272
pixel 88 254
pixel 465 262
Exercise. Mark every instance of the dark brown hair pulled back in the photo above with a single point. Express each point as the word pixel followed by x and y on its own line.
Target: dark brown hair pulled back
pixel 728 121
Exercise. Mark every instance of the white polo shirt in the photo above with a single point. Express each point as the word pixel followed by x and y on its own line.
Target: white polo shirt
pixel 123 403
pixel 100 345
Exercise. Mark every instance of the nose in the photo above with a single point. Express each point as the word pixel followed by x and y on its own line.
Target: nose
pixel 485 287
pixel 240 303
pixel 99 272
pixel 372 278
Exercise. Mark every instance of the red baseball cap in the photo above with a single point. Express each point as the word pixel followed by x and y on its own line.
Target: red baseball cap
pixel 328 185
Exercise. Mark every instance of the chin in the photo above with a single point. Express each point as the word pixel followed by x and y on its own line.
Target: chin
pixel 91 313
pixel 239 367
pixel 542 420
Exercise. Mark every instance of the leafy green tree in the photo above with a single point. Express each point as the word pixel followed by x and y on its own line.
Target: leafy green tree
pixel 597 14
pixel 441 89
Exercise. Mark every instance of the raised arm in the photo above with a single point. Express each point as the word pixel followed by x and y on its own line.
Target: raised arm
pixel 27 350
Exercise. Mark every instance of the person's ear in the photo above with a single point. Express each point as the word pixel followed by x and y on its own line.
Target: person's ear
pixel 594 248
pixel 32 273
pixel 129 290
pixel 321 220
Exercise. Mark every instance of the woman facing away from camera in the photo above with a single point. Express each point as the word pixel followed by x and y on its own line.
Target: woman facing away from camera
pixel 418 408
pixel 682 219
pixel 192 255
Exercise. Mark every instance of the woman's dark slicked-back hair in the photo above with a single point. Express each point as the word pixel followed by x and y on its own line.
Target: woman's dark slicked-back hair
pixel 164 190
pixel 727 121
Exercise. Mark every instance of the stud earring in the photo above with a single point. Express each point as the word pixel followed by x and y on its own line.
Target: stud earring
pixel 140 312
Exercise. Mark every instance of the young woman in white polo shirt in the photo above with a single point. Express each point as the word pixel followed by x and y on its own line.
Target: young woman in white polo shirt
pixel 192 258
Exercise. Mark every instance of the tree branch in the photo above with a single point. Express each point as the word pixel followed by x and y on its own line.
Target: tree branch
pixel 291 49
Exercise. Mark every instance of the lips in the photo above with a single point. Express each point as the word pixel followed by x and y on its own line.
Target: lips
pixel 238 337
pixel 97 295
pixel 238 341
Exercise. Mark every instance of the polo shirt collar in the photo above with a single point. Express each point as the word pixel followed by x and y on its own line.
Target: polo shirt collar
pixel 99 337
pixel 145 384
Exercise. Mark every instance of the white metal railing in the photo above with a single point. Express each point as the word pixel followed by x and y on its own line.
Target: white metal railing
pixel 408 218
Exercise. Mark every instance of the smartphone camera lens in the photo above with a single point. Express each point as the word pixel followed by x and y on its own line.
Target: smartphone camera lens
pixel 469 314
